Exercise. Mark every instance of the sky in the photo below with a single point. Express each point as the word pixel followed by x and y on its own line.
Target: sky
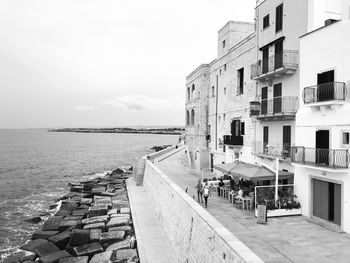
pixel 105 63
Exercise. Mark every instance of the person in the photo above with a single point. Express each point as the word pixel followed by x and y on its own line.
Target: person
pixel 232 183
pixel 199 188
pixel 221 184
pixel 206 193
pixel 240 192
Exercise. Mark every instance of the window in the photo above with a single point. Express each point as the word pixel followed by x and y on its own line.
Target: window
pixel 279 18
pixel 192 117
pixel 240 81
pixel 224 148
pixel 193 89
pixel 188 94
pixel 220 72
pixel 224 91
pixel 187 118
pixel 224 44
pixel 242 128
pixel 266 21
pixel 225 67
pixel 346 138
pixel 236 129
pixel 265 60
pixel 213 91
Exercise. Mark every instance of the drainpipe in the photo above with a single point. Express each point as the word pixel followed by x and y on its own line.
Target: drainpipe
pixel 216 112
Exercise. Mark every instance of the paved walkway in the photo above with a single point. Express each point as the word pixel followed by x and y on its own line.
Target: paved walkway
pixel 285 239
pixel 152 244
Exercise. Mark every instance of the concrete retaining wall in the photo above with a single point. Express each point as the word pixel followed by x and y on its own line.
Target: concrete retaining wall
pixel 195 235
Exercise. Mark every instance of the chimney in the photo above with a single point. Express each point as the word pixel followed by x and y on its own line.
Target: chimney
pixel 345 9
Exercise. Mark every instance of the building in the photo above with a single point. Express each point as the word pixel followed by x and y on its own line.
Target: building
pixel 321 155
pixel 197 84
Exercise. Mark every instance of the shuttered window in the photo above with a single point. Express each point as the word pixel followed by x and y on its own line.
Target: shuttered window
pixel 279 17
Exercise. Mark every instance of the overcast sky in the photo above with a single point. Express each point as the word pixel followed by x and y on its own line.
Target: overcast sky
pixel 89 63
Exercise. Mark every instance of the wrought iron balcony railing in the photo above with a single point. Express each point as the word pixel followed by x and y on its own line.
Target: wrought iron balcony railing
pixel 233 140
pixel 288 59
pixel 273 149
pixel 325 92
pixel 279 105
pixel 321 157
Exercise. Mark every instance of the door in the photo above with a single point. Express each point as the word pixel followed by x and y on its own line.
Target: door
pixel 322 147
pixel 265 60
pixel 325 92
pixel 277 98
pixel 278 54
pixel 286 141
pixel 327 201
pixel 265 138
pixel 264 100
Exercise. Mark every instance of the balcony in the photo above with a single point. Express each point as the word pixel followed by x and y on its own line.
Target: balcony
pixel 275 66
pixel 233 140
pixel 277 109
pixel 272 150
pixel 325 94
pixel 326 158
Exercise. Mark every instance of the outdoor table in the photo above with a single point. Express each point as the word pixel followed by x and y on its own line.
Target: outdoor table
pixel 247 202
pixel 232 196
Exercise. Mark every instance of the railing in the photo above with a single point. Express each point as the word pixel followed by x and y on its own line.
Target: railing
pixel 285 59
pixel 325 92
pixel 274 149
pixel 279 105
pixel 321 157
pixel 233 140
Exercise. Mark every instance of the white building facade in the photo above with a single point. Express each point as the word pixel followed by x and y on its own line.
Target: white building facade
pixel 321 155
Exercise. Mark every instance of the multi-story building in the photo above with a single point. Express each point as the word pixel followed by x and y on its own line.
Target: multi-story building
pixel 197 135
pixel 321 155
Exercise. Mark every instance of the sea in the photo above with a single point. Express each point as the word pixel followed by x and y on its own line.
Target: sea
pixel 36 167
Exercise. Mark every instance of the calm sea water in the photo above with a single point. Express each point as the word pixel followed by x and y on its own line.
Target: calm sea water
pixel 36 166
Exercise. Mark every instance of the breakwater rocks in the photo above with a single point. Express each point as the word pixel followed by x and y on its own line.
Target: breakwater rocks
pixel 93 224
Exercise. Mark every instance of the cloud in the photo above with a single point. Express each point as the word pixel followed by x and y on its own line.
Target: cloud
pixel 84 108
pixel 142 102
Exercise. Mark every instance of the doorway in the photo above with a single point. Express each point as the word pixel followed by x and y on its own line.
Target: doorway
pixel 326 201
pixel 325 92
pixel 277 98
pixel 322 147
pixel 265 138
pixel 286 141
pixel 264 100
pixel 278 54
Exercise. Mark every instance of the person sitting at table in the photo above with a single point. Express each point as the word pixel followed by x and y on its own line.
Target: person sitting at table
pixel 221 184
pixel 240 193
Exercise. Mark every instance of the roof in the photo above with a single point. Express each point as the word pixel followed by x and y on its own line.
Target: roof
pixel 250 171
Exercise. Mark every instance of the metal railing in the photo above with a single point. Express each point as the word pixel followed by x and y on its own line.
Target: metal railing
pixel 285 59
pixel 325 92
pixel 321 157
pixel 279 105
pixel 233 140
pixel 272 149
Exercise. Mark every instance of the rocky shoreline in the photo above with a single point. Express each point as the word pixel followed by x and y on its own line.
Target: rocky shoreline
pixel 92 224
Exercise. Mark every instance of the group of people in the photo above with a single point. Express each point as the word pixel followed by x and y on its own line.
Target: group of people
pixel 203 191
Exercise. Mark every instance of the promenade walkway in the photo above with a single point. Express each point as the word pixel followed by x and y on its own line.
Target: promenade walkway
pixel 152 244
pixel 286 239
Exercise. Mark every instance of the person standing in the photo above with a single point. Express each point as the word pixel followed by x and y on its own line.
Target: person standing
pixel 206 193
pixel 221 184
pixel 199 187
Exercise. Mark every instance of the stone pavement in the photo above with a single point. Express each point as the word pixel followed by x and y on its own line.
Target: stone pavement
pixel 285 239
pixel 152 244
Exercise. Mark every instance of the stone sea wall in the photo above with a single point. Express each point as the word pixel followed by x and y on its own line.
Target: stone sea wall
pixel 196 236
pixel 93 224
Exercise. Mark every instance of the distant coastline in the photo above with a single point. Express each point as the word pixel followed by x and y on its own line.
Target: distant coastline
pixel 167 131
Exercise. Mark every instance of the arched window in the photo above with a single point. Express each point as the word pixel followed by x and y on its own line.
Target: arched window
pixel 192 117
pixel 187 118
pixel 193 89
pixel 188 94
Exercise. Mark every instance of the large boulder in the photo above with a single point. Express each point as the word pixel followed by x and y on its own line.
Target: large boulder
pixel 79 237
pixel 100 225
pixel 33 220
pixel 97 211
pixel 62 212
pixel 61 240
pixel 95 235
pixel 55 257
pixel 69 205
pixel 124 255
pixel 69 224
pixel 52 223
pixel 20 256
pixel 111 237
pixel 88 249
pixel 125 244
pixel 95 219
pixel 117 221
pixel 46 249
pixel 39 234
pixel 103 257
pixel 127 229
pixel 84 259
pixel 29 246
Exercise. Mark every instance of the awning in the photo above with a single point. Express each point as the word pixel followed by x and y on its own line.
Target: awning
pixel 250 171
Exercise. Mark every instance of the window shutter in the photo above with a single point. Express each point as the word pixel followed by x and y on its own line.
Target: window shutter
pixel 242 128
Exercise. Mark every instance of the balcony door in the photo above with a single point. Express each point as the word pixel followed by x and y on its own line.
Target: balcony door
pixel 326 201
pixel 325 92
pixel 322 147
pixel 277 98
pixel 279 54
pixel 266 137
pixel 264 100
pixel 265 60
pixel 286 141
